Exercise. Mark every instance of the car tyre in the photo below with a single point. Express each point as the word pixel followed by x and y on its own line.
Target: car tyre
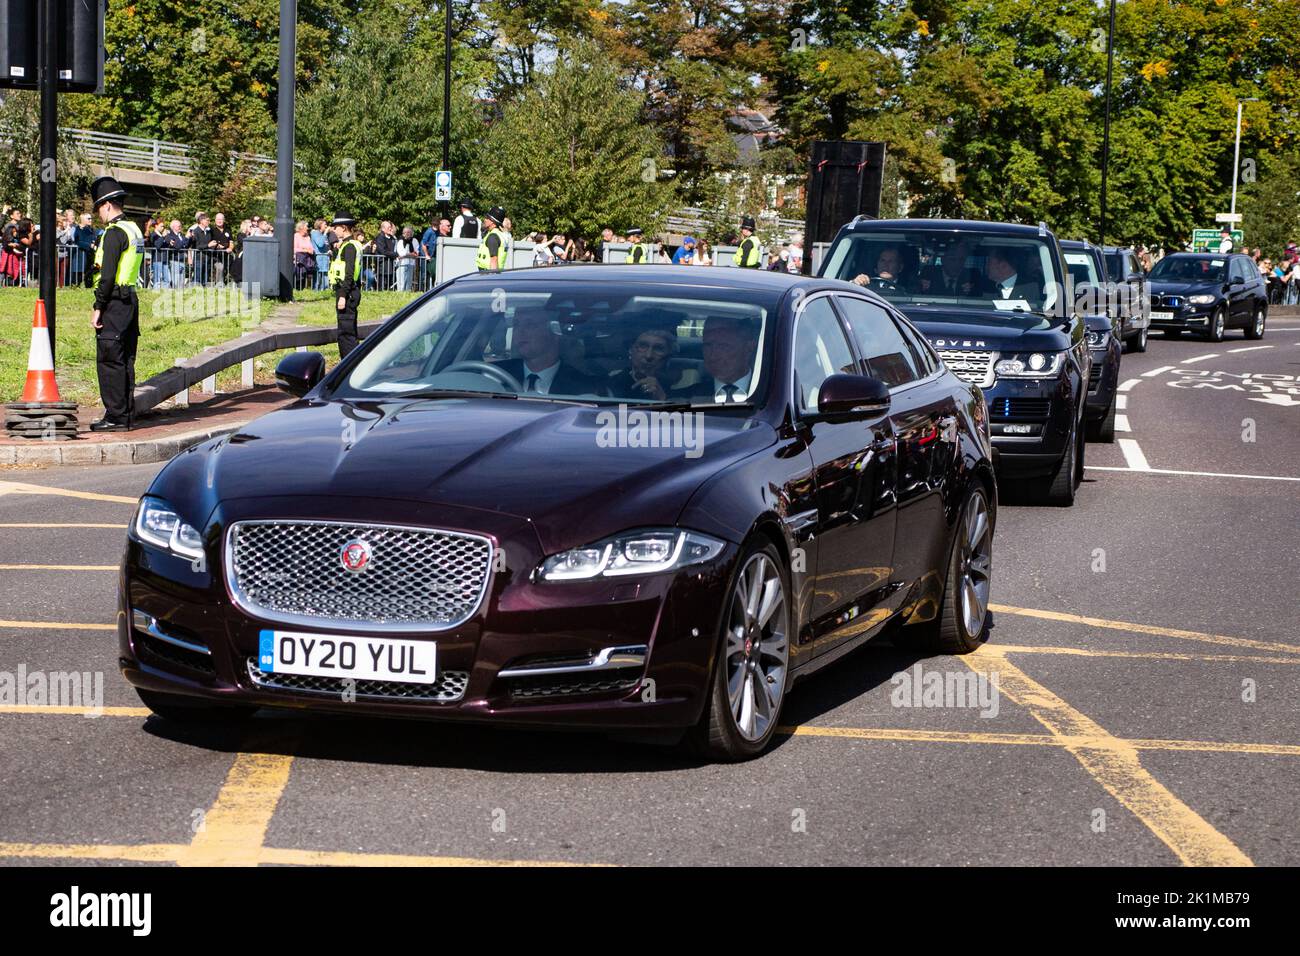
pixel 1138 343
pixel 192 710
pixel 960 625
pixel 1059 489
pixel 1103 429
pixel 1256 328
pixel 751 668
pixel 1218 321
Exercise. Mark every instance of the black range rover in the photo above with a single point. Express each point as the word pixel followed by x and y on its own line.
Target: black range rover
pixel 1104 333
pixel 994 301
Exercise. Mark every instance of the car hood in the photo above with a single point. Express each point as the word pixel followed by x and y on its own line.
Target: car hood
pixel 559 467
pixel 977 328
pixel 1170 287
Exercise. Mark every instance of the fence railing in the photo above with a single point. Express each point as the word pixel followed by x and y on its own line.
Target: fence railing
pixel 138 152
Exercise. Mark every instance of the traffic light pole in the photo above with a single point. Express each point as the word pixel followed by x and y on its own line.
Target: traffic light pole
pixel 48 68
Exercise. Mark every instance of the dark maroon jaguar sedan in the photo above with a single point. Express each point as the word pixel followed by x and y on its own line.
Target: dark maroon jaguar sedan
pixel 632 498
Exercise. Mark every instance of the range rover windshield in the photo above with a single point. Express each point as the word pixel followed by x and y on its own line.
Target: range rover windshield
pixel 645 343
pixel 969 269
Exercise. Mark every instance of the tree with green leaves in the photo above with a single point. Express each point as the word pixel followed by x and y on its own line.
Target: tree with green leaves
pixel 571 153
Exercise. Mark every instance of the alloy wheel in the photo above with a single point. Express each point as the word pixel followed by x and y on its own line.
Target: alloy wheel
pixel 757 647
pixel 976 564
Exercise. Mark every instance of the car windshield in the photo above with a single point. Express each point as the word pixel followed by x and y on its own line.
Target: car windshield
pixel 599 342
pixel 1114 264
pixel 1083 268
pixel 970 268
pixel 1191 269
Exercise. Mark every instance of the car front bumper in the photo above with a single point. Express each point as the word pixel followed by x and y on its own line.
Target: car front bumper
pixel 630 653
pixel 1029 423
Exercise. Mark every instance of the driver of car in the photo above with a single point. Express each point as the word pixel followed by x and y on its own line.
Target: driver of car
pixel 885 276
pixel 538 365
pixel 646 373
pixel 730 344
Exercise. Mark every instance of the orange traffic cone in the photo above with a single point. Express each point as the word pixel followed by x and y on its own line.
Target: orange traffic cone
pixel 41 386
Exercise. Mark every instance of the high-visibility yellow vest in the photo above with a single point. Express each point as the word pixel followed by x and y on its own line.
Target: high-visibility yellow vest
pixel 128 264
pixel 746 260
pixel 338 265
pixel 644 248
pixel 484 258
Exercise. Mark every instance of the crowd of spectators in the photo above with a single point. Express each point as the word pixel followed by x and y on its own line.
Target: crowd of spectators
pixel 1282 274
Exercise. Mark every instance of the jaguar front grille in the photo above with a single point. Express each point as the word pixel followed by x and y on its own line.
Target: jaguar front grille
pixel 362 576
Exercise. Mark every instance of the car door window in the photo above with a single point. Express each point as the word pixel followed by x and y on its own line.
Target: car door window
pixel 820 351
pixel 887 354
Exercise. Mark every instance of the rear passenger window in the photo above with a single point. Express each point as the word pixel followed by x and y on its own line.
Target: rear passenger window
pixel 887 353
pixel 820 351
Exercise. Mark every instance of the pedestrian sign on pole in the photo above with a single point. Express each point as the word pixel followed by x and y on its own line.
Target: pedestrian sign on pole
pixel 442 185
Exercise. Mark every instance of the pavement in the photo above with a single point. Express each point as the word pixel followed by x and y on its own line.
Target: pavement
pixel 159 435
pixel 1145 644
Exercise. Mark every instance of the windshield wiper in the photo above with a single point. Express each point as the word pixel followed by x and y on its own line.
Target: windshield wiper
pixel 450 393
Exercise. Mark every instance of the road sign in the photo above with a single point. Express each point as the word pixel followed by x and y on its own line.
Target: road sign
pixel 442 185
pixel 1207 240
pixel 1227 217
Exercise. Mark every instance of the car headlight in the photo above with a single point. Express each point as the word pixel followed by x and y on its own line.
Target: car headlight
pixel 645 551
pixel 157 523
pixel 1031 365
pixel 1200 299
pixel 1096 339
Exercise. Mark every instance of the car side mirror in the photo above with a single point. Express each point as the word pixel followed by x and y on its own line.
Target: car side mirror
pixel 299 372
pixel 851 397
pixel 1236 280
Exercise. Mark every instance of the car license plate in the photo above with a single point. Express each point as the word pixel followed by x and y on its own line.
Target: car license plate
pixel 1162 315
pixel 361 658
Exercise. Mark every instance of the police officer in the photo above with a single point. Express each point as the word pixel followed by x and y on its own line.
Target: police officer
pixel 116 316
pixel 746 255
pixel 1226 245
pixel 492 247
pixel 466 225
pixel 345 280
pixel 639 254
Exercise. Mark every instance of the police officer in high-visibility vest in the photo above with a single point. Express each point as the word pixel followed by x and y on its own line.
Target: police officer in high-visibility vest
pixel 116 316
pixel 345 280
pixel 639 254
pixel 746 255
pixel 492 247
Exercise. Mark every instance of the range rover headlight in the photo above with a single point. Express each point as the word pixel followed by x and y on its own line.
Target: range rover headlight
pixel 1200 299
pixel 1095 339
pixel 157 523
pixel 1031 365
pixel 646 551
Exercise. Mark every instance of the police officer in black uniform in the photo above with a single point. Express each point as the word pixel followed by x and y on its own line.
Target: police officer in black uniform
pixel 116 316
pixel 345 279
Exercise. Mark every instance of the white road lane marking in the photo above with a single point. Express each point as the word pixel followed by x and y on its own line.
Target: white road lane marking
pixel 1133 455
pixel 1121 402
pixel 1199 358
pixel 1158 371
pixel 1126 386
pixel 1251 348
pixel 1121 423
pixel 1197 474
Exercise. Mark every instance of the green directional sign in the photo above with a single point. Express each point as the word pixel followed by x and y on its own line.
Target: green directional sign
pixel 1207 240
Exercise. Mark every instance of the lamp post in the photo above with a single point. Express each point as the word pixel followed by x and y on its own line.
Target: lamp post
pixel 446 87
pixel 1105 136
pixel 284 146
pixel 1236 155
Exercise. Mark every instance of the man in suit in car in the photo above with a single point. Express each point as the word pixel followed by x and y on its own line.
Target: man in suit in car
pixel 538 366
pixel 730 344
pixel 1005 282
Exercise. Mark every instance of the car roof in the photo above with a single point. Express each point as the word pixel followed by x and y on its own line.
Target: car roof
pixel 949 225
pixel 1078 244
pixel 722 277
pixel 1203 255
